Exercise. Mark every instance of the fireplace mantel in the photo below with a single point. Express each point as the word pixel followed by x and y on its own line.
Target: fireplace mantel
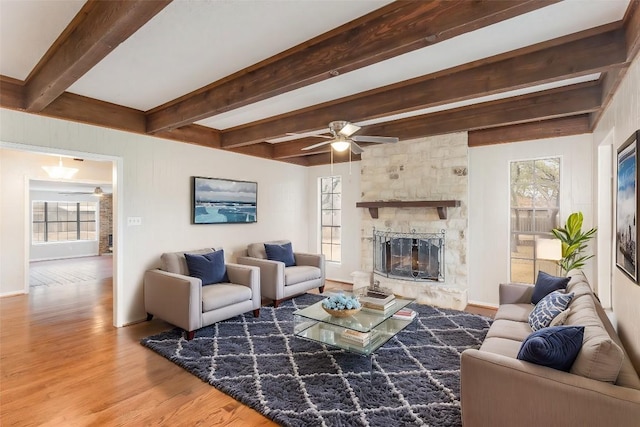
pixel 440 205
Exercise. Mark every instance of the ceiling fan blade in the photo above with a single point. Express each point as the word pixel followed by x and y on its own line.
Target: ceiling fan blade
pixel 349 129
pixel 378 139
pixel 356 149
pixel 320 144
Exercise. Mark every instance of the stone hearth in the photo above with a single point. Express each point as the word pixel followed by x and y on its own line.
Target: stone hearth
pixel 433 168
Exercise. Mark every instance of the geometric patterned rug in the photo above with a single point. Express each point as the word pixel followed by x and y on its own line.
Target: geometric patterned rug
pixel 295 382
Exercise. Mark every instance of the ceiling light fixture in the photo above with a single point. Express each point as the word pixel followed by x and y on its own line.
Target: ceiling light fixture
pixel 98 192
pixel 341 144
pixel 59 171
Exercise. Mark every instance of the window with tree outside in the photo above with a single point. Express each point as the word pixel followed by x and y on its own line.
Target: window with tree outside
pixel 330 217
pixel 535 195
pixel 63 221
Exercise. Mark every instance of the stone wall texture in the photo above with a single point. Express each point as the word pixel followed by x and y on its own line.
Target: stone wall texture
pixel 432 168
pixel 106 223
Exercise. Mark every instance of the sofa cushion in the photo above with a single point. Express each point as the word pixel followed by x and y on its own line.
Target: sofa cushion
pixel 517 312
pixel 222 295
pixel 210 268
pixel 545 284
pixel 549 307
pixel 600 357
pixel 509 329
pixel 256 250
pixel 300 273
pixel 503 346
pixel 175 262
pixel 555 347
pixel 282 253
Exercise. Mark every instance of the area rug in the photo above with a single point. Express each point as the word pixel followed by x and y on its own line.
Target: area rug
pixel 415 378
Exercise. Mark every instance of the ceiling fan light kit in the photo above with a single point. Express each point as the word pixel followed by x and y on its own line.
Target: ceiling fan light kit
pixel 341 144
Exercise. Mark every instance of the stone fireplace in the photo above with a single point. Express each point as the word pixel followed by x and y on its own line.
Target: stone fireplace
pixel 427 170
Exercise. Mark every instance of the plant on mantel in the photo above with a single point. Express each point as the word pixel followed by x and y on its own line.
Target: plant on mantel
pixel 574 242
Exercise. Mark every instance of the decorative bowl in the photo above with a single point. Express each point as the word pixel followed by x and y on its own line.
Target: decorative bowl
pixel 341 313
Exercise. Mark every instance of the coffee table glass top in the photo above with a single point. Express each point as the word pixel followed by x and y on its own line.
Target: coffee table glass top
pixel 375 329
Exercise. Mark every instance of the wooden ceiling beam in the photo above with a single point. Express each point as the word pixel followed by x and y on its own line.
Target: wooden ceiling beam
pixel 611 80
pixel 11 93
pixel 577 57
pixel 263 150
pixel 576 100
pixel 97 29
pixel 553 128
pixel 193 134
pixel 392 30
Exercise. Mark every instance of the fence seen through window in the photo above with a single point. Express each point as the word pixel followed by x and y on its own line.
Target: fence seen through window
pixel 330 214
pixel 63 221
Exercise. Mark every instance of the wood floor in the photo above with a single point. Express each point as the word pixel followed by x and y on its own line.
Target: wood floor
pixel 62 363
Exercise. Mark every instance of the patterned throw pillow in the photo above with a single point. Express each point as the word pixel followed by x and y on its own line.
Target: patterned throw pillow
pixel 556 347
pixel 548 308
pixel 545 284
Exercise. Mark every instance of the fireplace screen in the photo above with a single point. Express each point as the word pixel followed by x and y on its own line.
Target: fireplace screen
pixel 409 256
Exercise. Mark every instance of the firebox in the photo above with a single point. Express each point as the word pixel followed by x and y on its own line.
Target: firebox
pixel 409 256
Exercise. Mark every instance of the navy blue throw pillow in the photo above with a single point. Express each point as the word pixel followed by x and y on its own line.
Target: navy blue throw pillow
pixel 556 347
pixel 545 284
pixel 282 253
pixel 210 268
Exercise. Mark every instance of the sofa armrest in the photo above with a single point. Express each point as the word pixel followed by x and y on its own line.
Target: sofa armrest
pixel 314 260
pixel 248 276
pixel 271 275
pixel 501 390
pixel 174 297
pixel 515 293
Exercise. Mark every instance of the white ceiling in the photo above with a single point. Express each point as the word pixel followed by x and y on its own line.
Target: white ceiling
pixel 190 44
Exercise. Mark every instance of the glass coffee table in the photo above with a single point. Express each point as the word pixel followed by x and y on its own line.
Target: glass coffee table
pixel 363 333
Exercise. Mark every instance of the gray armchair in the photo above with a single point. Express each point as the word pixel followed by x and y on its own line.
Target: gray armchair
pixel 174 296
pixel 278 282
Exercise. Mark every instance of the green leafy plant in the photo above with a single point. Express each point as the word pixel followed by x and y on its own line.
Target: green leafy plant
pixel 574 242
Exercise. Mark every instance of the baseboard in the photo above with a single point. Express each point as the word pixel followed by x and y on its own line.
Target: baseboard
pixel 13 294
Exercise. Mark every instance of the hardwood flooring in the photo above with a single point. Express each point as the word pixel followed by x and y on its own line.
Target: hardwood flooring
pixel 62 363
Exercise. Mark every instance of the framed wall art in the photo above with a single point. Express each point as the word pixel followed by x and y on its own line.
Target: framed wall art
pixel 223 201
pixel 627 207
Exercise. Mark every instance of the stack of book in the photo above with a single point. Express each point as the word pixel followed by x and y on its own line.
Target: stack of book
pixel 378 302
pixel 405 314
pixel 356 337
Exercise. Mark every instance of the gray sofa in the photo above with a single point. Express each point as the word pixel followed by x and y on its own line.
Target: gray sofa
pixel 497 389
pixel 278 282
pixel 174 296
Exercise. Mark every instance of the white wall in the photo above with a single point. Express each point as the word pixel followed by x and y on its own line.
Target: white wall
pixel 350 217
pixel 622 118
pixel 489 203
pixel 155 185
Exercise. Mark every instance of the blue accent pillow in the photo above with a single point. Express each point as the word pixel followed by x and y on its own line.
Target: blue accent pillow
pixel 548 308
pixel 210 268
pixel 545 284
pixel 556 347
pixel 282 253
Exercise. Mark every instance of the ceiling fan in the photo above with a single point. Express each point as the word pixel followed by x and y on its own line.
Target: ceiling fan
pixel 96 192
pixel 342 138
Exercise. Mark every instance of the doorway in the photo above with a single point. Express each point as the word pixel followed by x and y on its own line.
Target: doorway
pixel 23 167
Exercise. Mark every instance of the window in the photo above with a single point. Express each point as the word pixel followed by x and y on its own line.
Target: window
pixel 63 221
pixel 535 195
pixel 330 214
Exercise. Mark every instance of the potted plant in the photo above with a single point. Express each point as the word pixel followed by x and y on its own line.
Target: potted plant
pixel 574 242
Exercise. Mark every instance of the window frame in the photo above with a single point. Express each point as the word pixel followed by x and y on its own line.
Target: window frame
pixel 47 224
pixel 533 233
pixel 330 257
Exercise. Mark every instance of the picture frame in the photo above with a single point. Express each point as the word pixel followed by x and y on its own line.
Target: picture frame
pixel 627 207
pixel 223 201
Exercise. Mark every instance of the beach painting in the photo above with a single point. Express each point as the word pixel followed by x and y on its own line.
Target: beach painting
pixel 224 201
pixel 627 208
